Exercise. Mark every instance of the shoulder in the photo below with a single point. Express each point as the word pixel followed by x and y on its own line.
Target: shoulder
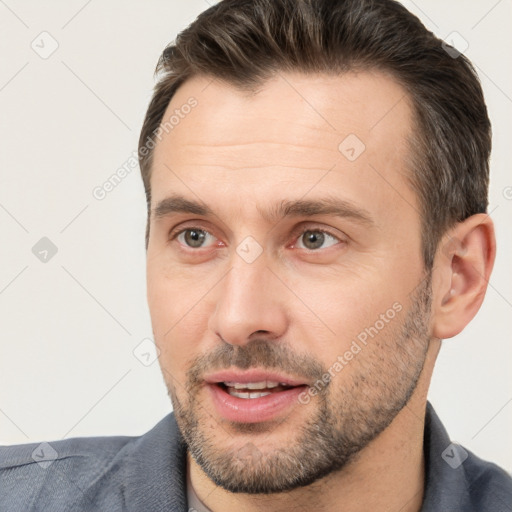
pixel 32 475
pixel 44 454
pixel 93 473
pixel 456 478
pixel 489 486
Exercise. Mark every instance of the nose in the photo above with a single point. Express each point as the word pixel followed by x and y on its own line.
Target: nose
pixel 250 303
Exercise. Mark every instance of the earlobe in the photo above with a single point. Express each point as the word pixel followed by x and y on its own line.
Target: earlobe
pixel 463 265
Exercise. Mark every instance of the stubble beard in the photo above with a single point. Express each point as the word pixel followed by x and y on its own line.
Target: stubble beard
pixel 345 418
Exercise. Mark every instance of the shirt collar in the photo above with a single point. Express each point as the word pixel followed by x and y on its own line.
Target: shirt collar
pixel 446 481
pixel 155 478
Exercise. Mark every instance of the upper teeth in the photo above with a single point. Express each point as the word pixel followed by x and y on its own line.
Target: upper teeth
pixel 254 385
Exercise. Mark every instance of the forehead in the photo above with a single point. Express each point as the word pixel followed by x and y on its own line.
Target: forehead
pixel 293 129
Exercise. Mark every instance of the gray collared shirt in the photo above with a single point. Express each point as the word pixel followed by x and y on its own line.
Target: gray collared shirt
pixel 148 474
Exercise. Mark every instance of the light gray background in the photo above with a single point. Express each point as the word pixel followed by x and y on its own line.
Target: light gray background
pixel 70 325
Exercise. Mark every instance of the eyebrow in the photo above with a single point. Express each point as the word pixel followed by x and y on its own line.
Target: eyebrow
pixel 328 205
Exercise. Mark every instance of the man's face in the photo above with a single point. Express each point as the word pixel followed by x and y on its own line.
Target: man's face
pixel 304 267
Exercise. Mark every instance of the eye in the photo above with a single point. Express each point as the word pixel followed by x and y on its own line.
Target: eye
pixel 313 239
pixel 310 239
pixel 193 237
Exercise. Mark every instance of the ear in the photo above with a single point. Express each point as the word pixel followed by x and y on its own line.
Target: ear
pixel 461 272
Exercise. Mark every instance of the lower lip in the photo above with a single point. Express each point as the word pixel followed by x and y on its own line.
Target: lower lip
pixel 253 410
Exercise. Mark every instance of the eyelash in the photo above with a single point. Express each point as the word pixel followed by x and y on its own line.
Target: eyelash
pixel 296 235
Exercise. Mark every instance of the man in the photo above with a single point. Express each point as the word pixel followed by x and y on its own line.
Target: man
pixel 316 174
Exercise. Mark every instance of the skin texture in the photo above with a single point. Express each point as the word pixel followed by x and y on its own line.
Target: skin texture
pixel 297 309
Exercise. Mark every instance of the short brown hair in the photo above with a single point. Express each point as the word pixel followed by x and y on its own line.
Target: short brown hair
pixel 245 42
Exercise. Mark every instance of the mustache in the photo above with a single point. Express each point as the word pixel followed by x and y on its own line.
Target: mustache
pixel 260 353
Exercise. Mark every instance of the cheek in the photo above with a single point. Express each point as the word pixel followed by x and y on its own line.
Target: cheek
pixel 173 297
pixel 341 307
pixel 339 291
pixel 179 318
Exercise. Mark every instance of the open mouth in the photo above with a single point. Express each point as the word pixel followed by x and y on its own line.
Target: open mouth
pixel 253 395
pixel 251 390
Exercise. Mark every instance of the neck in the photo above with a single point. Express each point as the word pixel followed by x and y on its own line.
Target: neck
pixel 388 474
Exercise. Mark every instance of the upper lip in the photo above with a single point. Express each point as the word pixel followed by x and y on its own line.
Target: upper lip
pixel 253 375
